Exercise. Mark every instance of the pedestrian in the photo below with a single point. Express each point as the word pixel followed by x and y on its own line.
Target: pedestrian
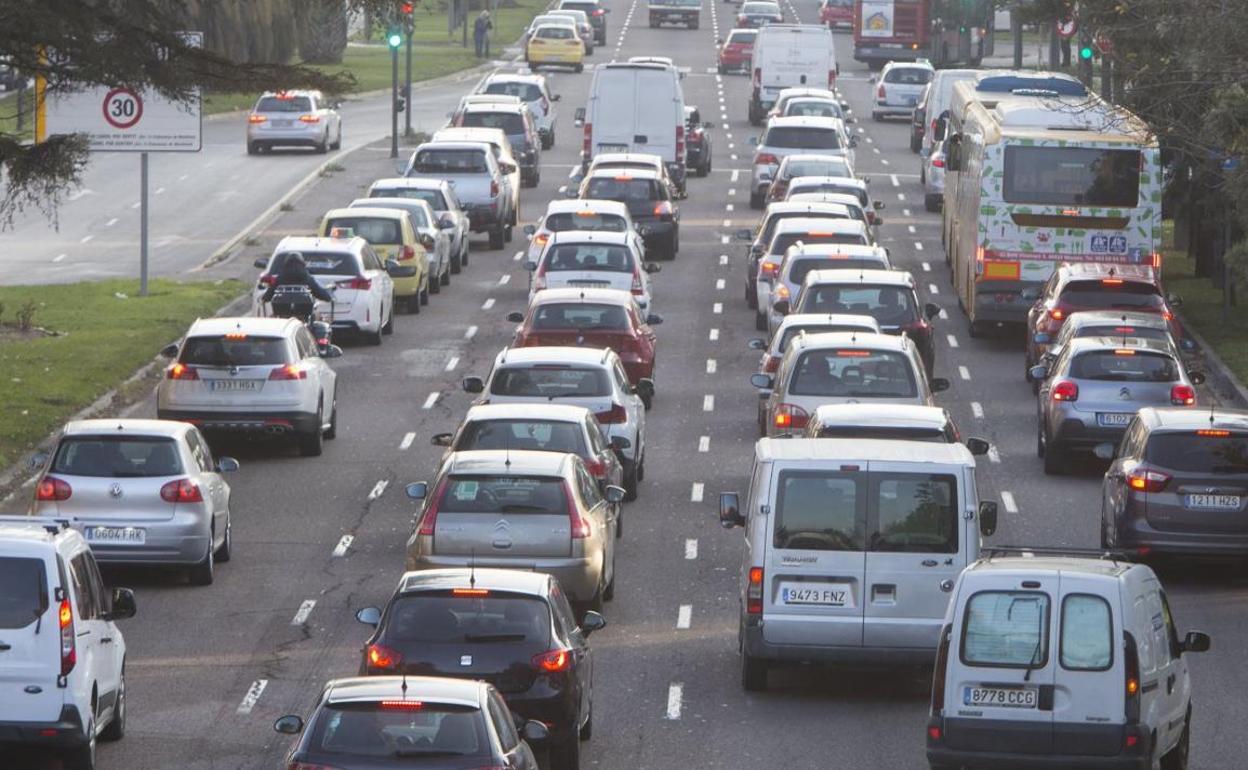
pixel 481 33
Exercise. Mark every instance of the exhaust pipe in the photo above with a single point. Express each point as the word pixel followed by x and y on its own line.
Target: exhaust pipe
pixel 276 430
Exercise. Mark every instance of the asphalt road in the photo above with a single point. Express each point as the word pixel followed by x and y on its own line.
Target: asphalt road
pixel 210 668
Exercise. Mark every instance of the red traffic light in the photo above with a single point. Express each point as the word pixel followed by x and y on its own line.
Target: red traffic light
pixel 407 8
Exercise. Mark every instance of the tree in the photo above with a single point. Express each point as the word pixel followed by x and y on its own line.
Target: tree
pixel 323 31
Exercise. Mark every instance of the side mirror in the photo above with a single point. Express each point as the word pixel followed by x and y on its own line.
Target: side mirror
pixel 122 605
pixel 1196 641
pixel 1037 373
pixel 1174 300
pixel 878 205
pixel 441 439
pixel 515 317
pixel 1104 451
pixel 530 230
pixel 170 350
pixel 757 343
pixel 744 234
pixel 654 319
pixel 37 460
pixel 1042 338
pixel 953 153
pixel 400 168
pixel 571 191
pixel 446 224
pixel 762 381
pixel 781 307
pixel 288 725
pixel 651 267
pixel 644 388
pixel 226 465
pixel 931 310
pixel 939 385
pixel 988 518
pixel 534 731
pixel 1188 345
pixel 330 351
pixel 473 385
pixel 593 621
pixel 753 141
pixel 978 446
pixel 615 494
pixel 507 168
pixel 260 263
pixel 1197 378
pixel 556 97
pixel 417 490
pixel 427 241
pixel 369 616
pixel 730 510
pixel 620 443
pixel 530 265
pixel 719 41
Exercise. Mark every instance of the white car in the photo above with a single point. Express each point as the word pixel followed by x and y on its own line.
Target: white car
pixel 143 492
pixel 440 195
pixel 794 136
pixel 434 234
pixel 363 290
pixel 933 177
pixel 625 161
pixel 590 377
pixel 594 260
pixel 589 214
pixel 256 376
pixel 800 259
pixel 62 665
pixel 534 91
pixel 899 87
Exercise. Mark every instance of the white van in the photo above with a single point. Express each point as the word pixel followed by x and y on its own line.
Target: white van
pixel 852 548
pixel 62 659
pixel 639 108
pixel 1060 658
pixel 789 56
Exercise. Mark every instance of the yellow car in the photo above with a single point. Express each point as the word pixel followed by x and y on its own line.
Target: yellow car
pixel 555 45
pixel 392 236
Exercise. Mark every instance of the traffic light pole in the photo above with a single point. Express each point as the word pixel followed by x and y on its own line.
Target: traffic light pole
pixel 407 87
pixel 394 101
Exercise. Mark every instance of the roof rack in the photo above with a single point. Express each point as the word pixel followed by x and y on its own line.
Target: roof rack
pixel 51 525
pixel 1083 553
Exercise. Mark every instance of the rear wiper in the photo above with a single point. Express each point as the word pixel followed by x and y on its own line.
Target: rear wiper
pixel 494 637
pixel 520 507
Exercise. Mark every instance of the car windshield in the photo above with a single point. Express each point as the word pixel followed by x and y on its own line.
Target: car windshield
pixel 397 729
pixel 117 456
pixel 230 350
pixel 933 435
pixel 623 188
pixel 797 273
pixel 824 167
pixel 504 494
pixel 284 104
pixel 23 591
pixel 451 617
pixel 530 92
pixel 814 107
pixel 888 305
pixel 509 122
pixel 536 435
pixel 318 262
pixel 802 137
pixel 1112 294
pixel 853 373
pixel 909 76
pixel 376 230
pixel 432 197
pixel 600 257
pixel 451 162
pixel 579 315
pixel 550 382
pixel 781 242
pixel 1006 629
pixel 1199 451
pixel 1125 365
pixel 586 220
pixel 766 9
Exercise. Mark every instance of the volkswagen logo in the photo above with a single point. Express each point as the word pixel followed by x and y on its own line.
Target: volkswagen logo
pixel 114 490
pixel 1124 394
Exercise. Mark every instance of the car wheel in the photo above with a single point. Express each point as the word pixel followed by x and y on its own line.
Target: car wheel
pixel 116 729
pixel 723 70
pixel 753 673
pixel 619 525
pixel 202 573
pixel 1054 459
pixel 445 280
pixel 337 145
pixel 435 284
pixel 579 68
pixel 1040 442
pixel 915 143
pixel 931 203
pixel 253 148
pixel 756 200
pixel 413 304
pixel 630 480
pixel 641 469
pixel 1106 540
pixel 876 117
pixel 322 146
pixel 82 757
pixel 227 543
pixel 423 295
pixel 647 401
pixel 498 237
pixel 566 755
pixel 587 730
pixel 465 251
pixel 332 432
pixel 977 330
pixel 310 444
pixel 1176 758
pixel 751 298
pixel 388 326
pixel 760 321
pixel 456 264
pixel 608 593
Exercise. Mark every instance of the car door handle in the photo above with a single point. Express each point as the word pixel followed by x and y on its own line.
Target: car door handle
pixel 5 647
pixel 1170 684
pixel 106 640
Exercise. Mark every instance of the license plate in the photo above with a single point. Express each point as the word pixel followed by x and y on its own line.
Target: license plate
pixel 234 385
pixel 590 284
pixel 282 123
pixel 816 594
pixel 613 148
pixel 1115 419
pixel 117 535
pixel 1214 502
pixel 1001 697
pixel 911 101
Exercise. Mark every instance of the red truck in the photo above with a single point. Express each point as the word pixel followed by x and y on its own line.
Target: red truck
pixel 945 32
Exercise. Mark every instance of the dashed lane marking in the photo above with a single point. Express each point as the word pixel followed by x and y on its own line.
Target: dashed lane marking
pixel 343 545
pixel 708 403
pixel 893 178
pixel 918 246
pixel 952 340
pixel 408 438
pixel 257 688
pixel 704 443
pixel 305 609
pixel 964 373
pixel 1007 500
pixel 505 279
pixel 472 332
pixel 717 308
pixel 691 548
pixel 711 366
pixel 713 335
pixel 695 494
pixel 977 409
pixel 454 362
pixel 927 267
pixel 378 490
pixel 719 284
pixel 684 616
pixel 675 692
pixel 723 259
pixel 993 454
pixel 489 303
pixel 431 400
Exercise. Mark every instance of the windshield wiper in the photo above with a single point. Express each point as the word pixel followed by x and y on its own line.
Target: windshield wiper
pixel 494 637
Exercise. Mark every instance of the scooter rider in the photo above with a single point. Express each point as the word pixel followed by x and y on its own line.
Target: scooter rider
pixel 294 272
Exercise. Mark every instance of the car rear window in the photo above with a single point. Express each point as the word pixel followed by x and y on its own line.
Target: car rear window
pixel 781 243
pixel 623 188
pixel 909 76
pixel 826 187
pixel 888 305
pixel 319 262
pixel 117 456
pixel 827 167
pixel 1199 451
pixel 802 137
pixel 432 197
pixel 1087 634
pixel 1127 365
pixel 913 513
pixel 509 122
pixel 376 230
pixel 601 257
pixel 585 220
pixel 1006 629
pixel 550 382
pixel 529 92
pixel 221 351
pixel 797 273
pixel 474 616
pixel 395 732
pixel 1131 332
pixel 855 372
pixel 451 162
pixel 580 315
pixel 814 108
pixel 1111 295
pixel 23 591
pixel 536 435
pixel 504 494
pixel 745 37
pixel 760 8
pixel 819 511
pixel 284 104
pixel 932 435
pixel 555 33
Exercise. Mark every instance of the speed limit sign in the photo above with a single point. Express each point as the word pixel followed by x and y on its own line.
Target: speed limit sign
pixel 122 108
pixel 1066 28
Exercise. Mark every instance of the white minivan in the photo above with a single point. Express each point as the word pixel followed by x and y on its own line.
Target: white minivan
pixel 852 549
pixel 1060 658
pixel 789 56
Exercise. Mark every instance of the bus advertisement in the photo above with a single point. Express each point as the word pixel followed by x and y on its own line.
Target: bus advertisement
pixel 945 32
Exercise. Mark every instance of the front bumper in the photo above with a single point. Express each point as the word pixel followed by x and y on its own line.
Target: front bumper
pixel 579 576
pixel 252 423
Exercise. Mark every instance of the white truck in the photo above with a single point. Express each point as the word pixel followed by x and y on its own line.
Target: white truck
pixel 787 56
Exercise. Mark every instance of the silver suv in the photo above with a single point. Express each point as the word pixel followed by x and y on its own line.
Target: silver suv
pixel 293 119
pixel 790 136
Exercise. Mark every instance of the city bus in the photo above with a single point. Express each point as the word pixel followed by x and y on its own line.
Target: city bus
pixel 1042 179
pixel 947 33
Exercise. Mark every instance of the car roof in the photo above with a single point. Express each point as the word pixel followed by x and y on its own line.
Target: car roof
pixel 803 91
pixel 598 205
pixel 362 689
pixel 552 412
pixel 412 182
pixel 830 249
pixel 847 181
pixel 1180 417
pixel 387 203
pixel 515 107
pixel 898 343
pixel 507 461
pixel 799 319
pixel 457 144
pixel 1077 270
pixel 470 134
pixel 377 212
pixel 813 207
pixel 519 581
pixel 1046 564
pixel 352 245
pixel 920 64
pixel 813 156
pixel 589 236
pixel 125 427
pixel 630 173
pixel 553 354
pixel 574 294
pixel 1117 342
pixel 1129 317
pixel 884 415
pixel 293 93
pixel 862 450
pixel 853 275
pixel 269 327
pixel 816 224
pixel 806 121
pixel 484 98
pixel 648 158
pixel 514 77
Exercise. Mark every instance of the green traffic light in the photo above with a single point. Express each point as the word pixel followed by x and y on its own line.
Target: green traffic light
pixel 395 40
pixel 1085 52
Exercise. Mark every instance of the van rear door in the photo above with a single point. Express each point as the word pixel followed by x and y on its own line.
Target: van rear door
pixel 660 110
pixel 1088 707
pixel 915 550
pixel 815 558
pixel 29 639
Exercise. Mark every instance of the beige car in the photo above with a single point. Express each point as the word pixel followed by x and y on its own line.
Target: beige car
pixel 539 511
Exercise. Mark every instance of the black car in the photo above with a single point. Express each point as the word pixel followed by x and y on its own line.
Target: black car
pixel 596 13
pixel 512 629
pixel 378 722
pixel 759 14
pixel 697 142
pixel 918 121
pixel 650 200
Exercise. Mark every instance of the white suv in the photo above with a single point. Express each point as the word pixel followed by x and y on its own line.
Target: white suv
pixel 261 376
pixel 899 87
pixel 63 667
pixel 589 377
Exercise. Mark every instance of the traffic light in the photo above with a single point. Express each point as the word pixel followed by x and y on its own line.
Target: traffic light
pixel 407 8
pixel 394 38
pixel 1086 52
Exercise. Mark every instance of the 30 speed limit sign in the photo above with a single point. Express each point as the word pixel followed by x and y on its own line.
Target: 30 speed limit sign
pixel 122 108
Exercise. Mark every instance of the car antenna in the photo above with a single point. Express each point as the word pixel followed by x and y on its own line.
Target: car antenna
pixel 472 568
pixel 403 685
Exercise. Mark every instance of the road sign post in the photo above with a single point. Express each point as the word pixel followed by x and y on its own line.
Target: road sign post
pixel 143 224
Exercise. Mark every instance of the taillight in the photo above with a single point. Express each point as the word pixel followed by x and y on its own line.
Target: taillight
pixel 180 371
pixel 917 329
pixel 69 648
pixel 1147 480
pixel 663 209
pixel 880 91
pixel 429 521
pixel 766 159
pixel 938 162
pixel 359 282
pixel 771 364
pixel 612 416
pixel 1131 673
pixel 288 372
pixel 933 127
pixel 637 288
pixel 597 468
pixel 790 417
pixel 782 292
pixel 382 658
pixel 598 12
pixel 539 277
pixel 1057 313
pixel 680 141
pixel 758 78
pixel 754 592
pixel 768 269
pixel 1065 391
pixel 493 188
pixel 310 118
pixel 268 279
pixel 938 677
pixel 1182 395
pixel 587 143
pixel 52 489
pixel 256 119
pixel 831 78
pixel 181 491
pixel 580 527
pixel 407 252
pixel 553 662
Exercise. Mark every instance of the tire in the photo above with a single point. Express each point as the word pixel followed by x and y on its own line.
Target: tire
pixel 647 402
pixel 916 144
pixel 875 116
pixel 457 264
pixel 253 148
pixel 227 543
pixel 337 145
pixel 311 444
pixel 1054 460
pixel 374 338
pixel 435 285
pixel 587 730
pixel 608 593
pixel 507 231
pixel 579 68
pixel 760 321
pixel 753 673
pixel 498 238
pixel 202 574
pixel 548 141
pixel 81 757
pixel 931 203
pixel 388 326
pixel 465 252
pixel 566 756
pixel 413 304
pixel 1176 758
pixel 323 146
pixel 116 729
pixel 756 200
pixel 619 526
pixel 423 294
pixel 332 432
pixel 445 280
pixel 723 70
pixel 630 481
pixel 751 298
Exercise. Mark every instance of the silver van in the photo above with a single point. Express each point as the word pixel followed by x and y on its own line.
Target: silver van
pixel 852 549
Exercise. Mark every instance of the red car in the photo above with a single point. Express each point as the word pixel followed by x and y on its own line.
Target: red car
pixel 735 52
pixel 836 13
pixel 595 318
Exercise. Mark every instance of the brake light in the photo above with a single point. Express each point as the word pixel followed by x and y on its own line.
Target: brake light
pixel 1214 433
pixel 268 279
pixel 766 159
pixel 680 141
pixel 181 491
pixel 1143 479
pixel 69 645
pixel 382 658
pixel 663 209
pixel 52 489
pixel 771 364
pixel 637 288
pixel 612 416
pixel 782 292
pixel 768 269
pixel 938 162
pixel 310 118
pixel 1111 281
pixel 1065 391
pixel 493 188
pixel 938 680
pixel 359 282
pixel 407 252
pixel 1182 395
pixel 831 78
pixel 597 468
pixel 472 592
pixel 880 91
pixel 754 592
pixel 790 417
pixel 180 371
pixel 598 12
pixel 541 238
pixel 1057 313
pixel 429 521
pixel 1131 685
pixel 587 142
pixel 553 662
pixel 402 705
pixel 256 119
pixel 853 353
pixel 580 527
pixel 288 372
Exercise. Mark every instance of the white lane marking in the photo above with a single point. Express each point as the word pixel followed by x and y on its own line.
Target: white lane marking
pixel 489 303
pixel 734 157
pixel 732 146
pixel 875 150
pixel 885 161
pixel 727 223
pixel 708 403
pixel 59 257
pixel 728 207
pixel 977 409
pixel 723 259
pixel 684 616
pixel 952 340
pixel 454 362
pixel 159 191
pixel 732 190
pixel 431 400
pixel 87 239
pixel 343 545
pixel 993 454
pixel 719 284
pixel 183 177
pixel 136 204
pixel 905 212
pixel 111 222
pixel 870 140
pixel 257 687
pixel 927 267
pixel 563 189
pixel 79 194
pixel 695 494
pixel 711 366
pixel 729 134
pixel 933 288
pixel 1007 499
pixel 718 307
pixel 893 178
pixel 408 438
pixel 505 279
pixel 713 336
pixel 472 332
pixel 379 489
pixel 943 315
pixel 911 229
pixel 723 239
pixel 901 196
pixel 674 693
pixel 305 609
pixel 918 246
pixel 691 548
pixel 704 443
pixel 964 373
pixel 520 255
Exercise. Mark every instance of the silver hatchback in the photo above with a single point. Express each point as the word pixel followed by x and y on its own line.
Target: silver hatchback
pixel 294 119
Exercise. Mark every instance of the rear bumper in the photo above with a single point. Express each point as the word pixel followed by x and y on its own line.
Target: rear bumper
pixel 673 16
pixel 892 109
pixel 756 646
pixel 1003 741
pixel 881 53
pixel 1074 433
pixel 579 577
pixel 657 232
pixel 166 542
pixel 302 137
pixel 1136 532
pixel 556 708
pixel 66 732
pixel 256 423
pixel 484 217
pixel 638 369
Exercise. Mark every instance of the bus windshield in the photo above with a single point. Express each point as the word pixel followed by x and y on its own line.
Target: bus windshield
pixel 1072 176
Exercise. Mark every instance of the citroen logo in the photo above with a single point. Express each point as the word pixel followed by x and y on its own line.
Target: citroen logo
pixel 502 526
pixel 1124 394
pixel 114 490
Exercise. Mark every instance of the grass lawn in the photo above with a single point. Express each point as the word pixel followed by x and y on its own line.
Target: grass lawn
pixel 104 340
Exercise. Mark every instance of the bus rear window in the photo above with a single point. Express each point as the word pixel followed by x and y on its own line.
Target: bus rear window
pixel 1072 176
